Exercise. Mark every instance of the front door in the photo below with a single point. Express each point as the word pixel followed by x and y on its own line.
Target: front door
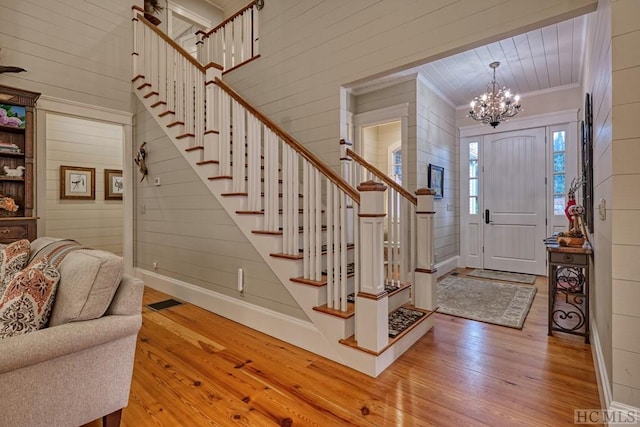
pixel 514 201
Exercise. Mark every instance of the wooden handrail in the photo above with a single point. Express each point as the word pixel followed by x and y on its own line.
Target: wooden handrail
pixel 175 45
pixel 229 19
pixel 384 178
pixel 299 148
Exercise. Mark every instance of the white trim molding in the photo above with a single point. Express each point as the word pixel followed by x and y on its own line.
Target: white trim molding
pixel 539 120
pixel 602 377
pixel 87 111
pixel 447 266
pixel 381 115
pixel 48 104
pixel 286 328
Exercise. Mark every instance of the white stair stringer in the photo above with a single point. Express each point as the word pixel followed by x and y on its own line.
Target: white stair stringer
pixel 330 328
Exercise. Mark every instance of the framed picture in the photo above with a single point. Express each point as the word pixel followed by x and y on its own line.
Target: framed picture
pixel 113 184
pixel 436 180
pixel 77 183
pixel 587 162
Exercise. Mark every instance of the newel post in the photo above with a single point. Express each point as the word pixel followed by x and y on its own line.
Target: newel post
pixel 426 280
pixel 372 306
pixel 212 112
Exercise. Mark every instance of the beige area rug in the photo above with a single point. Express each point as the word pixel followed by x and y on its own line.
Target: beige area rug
pixel 504 275
pixel 502 304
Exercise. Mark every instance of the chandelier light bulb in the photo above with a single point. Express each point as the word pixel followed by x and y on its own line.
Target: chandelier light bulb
pixel 495 105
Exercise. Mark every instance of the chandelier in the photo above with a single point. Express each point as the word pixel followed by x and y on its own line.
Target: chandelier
pixel 496 105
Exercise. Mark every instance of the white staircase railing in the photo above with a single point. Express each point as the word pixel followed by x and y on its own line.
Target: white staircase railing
pixel 316 212
pixel 232 42
pixel 301 198
pixel 400 222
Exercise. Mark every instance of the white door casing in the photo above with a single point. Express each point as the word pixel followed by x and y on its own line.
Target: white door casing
pixel 472 225
pixel 514 201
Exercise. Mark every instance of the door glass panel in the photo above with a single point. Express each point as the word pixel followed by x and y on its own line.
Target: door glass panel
pixel 558 141
pixel 473 168
pixel 559 167
pixel 473 178
pixel 558 183
pixel 558 162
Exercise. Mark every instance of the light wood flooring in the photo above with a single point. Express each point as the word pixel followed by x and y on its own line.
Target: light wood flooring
pixel 194 368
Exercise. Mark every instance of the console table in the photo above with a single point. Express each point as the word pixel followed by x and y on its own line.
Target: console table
pixel 569 290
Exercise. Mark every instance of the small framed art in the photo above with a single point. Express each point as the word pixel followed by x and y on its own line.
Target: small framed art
pixel 77 183
pixel 113 184
pixel 436 180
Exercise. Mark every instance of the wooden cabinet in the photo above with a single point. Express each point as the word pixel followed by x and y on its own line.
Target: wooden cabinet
pixel 17 164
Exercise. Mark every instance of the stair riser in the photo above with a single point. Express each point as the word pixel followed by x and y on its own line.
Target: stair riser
pixel 399 299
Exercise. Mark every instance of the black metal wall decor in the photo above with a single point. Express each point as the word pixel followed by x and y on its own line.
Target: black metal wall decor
pixel 587 162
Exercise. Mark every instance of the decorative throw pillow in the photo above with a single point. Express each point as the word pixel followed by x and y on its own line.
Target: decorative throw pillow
pixel 13 258
pixel 26 302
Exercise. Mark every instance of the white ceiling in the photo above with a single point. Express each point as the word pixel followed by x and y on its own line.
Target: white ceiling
pixel 541 59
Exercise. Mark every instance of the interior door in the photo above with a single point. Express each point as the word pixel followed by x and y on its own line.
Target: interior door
pixel 514 201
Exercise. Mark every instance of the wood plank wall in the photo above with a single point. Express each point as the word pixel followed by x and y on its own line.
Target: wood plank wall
pixel 188 232
pixel 310 49
pixel 438 144
pixel 72 49
pixel 77 142
pixel 625 203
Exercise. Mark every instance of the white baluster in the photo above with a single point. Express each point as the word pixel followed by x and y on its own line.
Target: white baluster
pixel 238 147
pixel 162 70
pixel 256 34
pixel 228 46
pixel 333 250
pixel 295 207
pixel 246 35
pixel 225 136
pixel 331 267
pixel 306 212
pixel 199 106
pixel 286 231
pixel 312 223
pixel 237 40
pixel 343 251
pixel 317 193
pixel 253 163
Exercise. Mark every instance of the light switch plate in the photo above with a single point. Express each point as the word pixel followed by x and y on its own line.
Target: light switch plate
pixel 156 181
pixel 602 208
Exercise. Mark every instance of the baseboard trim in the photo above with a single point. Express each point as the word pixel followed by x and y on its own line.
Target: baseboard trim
pixel 602 377
pixel 447 266
pixel 286 328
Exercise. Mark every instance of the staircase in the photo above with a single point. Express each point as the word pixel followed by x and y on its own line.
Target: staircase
pixel 322 235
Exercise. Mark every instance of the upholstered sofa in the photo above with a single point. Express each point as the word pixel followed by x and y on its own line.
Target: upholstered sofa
pixel 79 368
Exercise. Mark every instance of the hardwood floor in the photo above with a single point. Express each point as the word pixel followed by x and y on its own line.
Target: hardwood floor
pixel 194 368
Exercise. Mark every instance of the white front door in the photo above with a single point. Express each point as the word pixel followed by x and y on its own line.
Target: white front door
pixel 514 201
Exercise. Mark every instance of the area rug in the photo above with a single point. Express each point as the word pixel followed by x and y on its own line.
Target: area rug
pixel 504 275
pixel 401 319
pixel 502 304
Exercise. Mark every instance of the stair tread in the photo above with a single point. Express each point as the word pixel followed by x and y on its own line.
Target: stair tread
pixel 390 289
pixel 351 341
pixel 280 232
pixel 315 283
pixel 351 310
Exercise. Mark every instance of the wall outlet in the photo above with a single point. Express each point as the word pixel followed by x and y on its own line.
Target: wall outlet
pixel 155 264
pixel 449 207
